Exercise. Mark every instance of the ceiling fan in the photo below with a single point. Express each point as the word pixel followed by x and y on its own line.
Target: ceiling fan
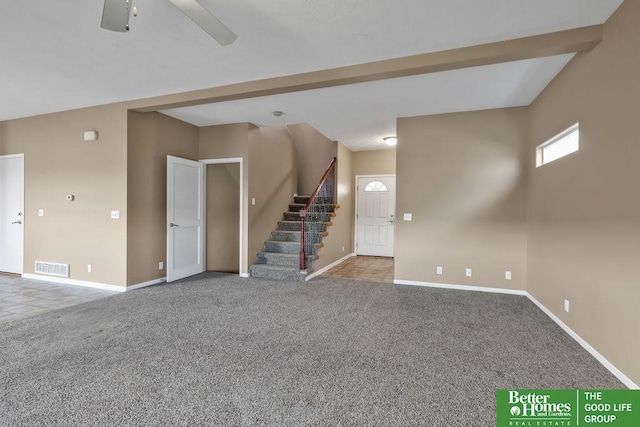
pixel 115 17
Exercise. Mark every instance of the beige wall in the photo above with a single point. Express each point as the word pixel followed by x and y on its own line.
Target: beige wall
pixel 314 153
pixel 339 242
pixel 223 217
pixel 377 162
pixel 152 136
pixel 272 182
pixel 461 175
pixel 59 162
pixel 224 141
pixel 584 209
pixel 269 176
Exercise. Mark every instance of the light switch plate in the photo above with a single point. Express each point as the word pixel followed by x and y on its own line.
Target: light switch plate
pixel 507 275
pixel 469 272
pixel 407 217
pixel 115 214
pixel 40 212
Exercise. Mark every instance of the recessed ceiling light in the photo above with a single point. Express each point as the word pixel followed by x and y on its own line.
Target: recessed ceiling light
pixel 391 140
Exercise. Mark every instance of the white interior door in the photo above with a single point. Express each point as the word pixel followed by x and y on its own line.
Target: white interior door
pixel 185 218
pixel 375 220
pixel 11 213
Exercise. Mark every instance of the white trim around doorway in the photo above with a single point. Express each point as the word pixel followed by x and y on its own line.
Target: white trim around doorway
pixel 244 272
pixel 355 209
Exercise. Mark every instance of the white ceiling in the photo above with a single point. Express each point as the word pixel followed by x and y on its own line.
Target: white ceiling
pixel 55 57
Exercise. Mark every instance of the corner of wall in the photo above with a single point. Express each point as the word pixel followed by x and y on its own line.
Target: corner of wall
pixel 151 138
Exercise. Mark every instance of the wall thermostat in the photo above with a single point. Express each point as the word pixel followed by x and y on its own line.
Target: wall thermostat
pixel 90 135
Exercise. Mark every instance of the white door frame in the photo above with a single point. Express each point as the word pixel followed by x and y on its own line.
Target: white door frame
pixel 355 214
pixel 243 271
pixel 19 156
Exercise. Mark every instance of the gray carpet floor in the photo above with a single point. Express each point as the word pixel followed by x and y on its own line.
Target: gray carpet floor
pixel 220 350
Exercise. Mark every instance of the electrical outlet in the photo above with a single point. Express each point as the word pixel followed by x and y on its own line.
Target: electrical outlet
pixel 469 272
pixel 566 305
pixel 343 249
pixel 40 212
pixel 507 275
pixel 407 217
pixel 439 269
pixel 161 265
pixel 88 268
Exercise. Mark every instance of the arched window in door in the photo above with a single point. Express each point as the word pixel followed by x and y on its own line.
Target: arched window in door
pixel 375 186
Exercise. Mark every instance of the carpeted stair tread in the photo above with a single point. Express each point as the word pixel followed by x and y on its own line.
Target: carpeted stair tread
pixel 301 199
pixel 282 247
pixel 291 216
pixel 289 226
pixel 275 258
pixel 287 260
pixel 296 207
pixel 277 272
pixel 285 236
pixel 288 247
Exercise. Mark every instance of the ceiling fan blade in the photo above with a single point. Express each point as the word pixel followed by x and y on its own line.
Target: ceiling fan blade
pixel 115 15
pixel 205 20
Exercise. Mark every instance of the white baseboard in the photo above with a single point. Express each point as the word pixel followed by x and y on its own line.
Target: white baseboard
pixel 73 282
pixel 461 287
pixel 599 357
pixel 329 267
pixel 145 284
pixel 245 275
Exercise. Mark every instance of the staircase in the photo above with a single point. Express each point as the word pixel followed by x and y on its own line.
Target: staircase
pixel 280 258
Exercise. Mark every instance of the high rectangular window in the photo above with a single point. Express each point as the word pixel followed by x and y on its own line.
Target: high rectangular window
pixel 564 143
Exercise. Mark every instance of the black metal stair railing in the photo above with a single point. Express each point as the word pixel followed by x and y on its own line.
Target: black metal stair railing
pixel 317 213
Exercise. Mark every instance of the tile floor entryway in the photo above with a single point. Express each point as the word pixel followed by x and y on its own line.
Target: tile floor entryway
pixel 20 298
pixel 369 268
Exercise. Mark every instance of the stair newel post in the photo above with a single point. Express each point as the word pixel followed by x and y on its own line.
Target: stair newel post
pixel 303 255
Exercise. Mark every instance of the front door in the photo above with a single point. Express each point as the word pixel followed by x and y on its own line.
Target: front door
pixel 375 220
pixel 185 218
pixel 11 213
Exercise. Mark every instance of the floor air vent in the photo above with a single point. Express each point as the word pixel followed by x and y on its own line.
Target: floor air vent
pixel 52 269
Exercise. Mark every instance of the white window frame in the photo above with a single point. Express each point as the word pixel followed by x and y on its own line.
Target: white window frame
pixel 381 189
pixel 540 148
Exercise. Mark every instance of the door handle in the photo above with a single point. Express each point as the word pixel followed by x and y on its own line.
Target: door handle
pixel 16 222
pixel 173 225
pixel 391 221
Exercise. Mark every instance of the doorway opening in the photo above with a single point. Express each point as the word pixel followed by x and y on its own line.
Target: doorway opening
pixel 223 217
